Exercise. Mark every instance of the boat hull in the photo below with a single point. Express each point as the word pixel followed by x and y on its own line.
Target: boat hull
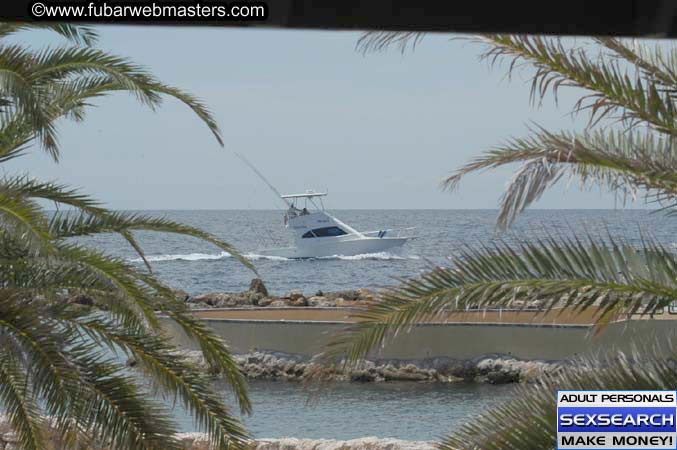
pixel 346 247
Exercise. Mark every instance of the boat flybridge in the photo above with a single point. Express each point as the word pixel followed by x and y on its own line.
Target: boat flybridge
pixel 316 233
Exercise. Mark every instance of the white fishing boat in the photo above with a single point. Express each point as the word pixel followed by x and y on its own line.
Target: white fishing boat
pixel 316 233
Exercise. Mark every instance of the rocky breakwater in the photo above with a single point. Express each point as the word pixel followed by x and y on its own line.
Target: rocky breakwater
pixel 198 441
pixel 257 296
pixel 490 369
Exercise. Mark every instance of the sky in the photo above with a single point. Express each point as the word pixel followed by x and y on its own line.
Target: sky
pixel 378 131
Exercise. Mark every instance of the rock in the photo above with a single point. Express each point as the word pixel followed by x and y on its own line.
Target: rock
pixel 362 376
pixel 321 302
pixel 208 298
pixel 257 295
pixel 408 372
pixel 222 299
pixel 229 303
pixel 343 302
pixel 279 303
pixel 363 293
pixel 491 369
pixel 299 302
pixel 505 369
pixel 346 295
pixel 350 295
pixel 258 287
pixel 264 302
pixel 255 298
pixel 315 300
pixel 371 443
pixel 294 295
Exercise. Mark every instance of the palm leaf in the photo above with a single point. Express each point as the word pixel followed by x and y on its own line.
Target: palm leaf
pixel 622 162
pixel 529 419
pixel 78 34
pixel 58 357
pixel 70 225
pixel 18 403
pixel 614 276
pixel 613 91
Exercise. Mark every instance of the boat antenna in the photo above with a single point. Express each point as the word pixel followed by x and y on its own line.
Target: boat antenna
pixel 260 175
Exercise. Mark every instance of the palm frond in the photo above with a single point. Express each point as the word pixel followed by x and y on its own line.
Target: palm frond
pixel 373 41
pixel 77 34
pixel 213 347
pixel 613 92
pixel 23 217
pixel 70 225
pixel 131 298
pixel 52 191
pixel 172 374
pixel 622 162
pixel 62 63
pixel 616 277
pixel 57 82
pixel 125 417
pixel 197 106
pixel 58 359
pixel 656 63
pixel 529 419
pixel 18 403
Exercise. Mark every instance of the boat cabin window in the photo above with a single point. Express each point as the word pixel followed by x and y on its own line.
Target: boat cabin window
pixel 324 232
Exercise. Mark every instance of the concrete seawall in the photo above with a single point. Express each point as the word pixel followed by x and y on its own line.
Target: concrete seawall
pixel 460 340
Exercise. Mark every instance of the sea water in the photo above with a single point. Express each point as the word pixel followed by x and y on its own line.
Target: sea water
pixel 198 267
pixel 415 411
pixel 401 410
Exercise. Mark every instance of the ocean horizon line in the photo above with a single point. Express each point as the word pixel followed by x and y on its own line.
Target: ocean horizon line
pixel 368 209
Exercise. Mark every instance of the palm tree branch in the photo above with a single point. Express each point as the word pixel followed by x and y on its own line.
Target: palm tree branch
pixel 121 278
pixel 78 34
pixel 57 193
pixel 213 347
pixel 569 274
pixel 63 226
pixel 18 404
pixel 619 161
pixel 23 214
pixel 125 417
pixel 528 420
pixel 611 88
pixel 170 371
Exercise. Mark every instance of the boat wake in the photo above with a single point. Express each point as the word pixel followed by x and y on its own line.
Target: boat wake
pixel 202 257
pixel 188 257
pixel 383 256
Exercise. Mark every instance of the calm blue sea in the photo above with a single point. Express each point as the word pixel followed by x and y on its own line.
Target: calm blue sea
pixel 198 267
pixel 401 410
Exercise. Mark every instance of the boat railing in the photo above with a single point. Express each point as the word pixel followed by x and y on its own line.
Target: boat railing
pixel 389 232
